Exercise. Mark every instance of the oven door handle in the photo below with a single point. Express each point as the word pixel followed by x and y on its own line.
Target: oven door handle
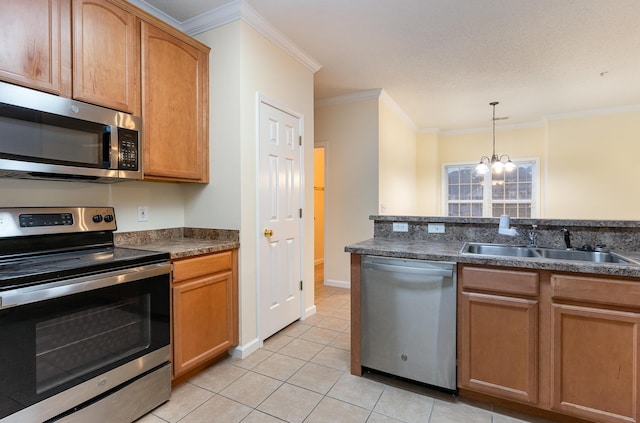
pixel 31 294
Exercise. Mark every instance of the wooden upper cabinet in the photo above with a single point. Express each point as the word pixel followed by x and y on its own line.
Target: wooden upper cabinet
pixel 36 45
pixel 174 107
pixel 106 55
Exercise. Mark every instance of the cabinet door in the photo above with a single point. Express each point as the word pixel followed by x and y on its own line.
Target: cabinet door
pixel 499 346
pixel 595 363
pixel 36 45
pixel 174 108
pixel 202 320
pixel 106 55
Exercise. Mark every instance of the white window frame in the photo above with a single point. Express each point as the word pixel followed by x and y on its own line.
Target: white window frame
pixel 486 193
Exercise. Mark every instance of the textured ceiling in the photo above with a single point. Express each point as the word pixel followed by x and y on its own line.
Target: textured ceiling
pixel 443 61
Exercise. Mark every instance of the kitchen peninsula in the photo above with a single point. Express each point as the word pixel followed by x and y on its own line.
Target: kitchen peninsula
pixel 546 336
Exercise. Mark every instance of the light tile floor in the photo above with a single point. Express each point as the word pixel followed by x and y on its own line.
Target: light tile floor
pixel 302 375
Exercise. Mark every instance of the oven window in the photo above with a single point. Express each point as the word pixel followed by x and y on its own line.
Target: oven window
pixel 81 342
pixel 51 346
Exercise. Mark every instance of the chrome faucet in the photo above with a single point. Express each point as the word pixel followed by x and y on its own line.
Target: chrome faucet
pixel 533 236
pixel 567 238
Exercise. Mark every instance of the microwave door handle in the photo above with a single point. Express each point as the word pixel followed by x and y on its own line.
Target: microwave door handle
pixel 106 147
pixel 110 147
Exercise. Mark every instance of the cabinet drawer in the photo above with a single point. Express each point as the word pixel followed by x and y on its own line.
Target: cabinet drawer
pixel 203 265
pixel 596 290
pixel 501 281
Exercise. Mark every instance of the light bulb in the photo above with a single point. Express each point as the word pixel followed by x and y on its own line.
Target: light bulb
pixel 497 167
pixel 509 166
pixel 482 168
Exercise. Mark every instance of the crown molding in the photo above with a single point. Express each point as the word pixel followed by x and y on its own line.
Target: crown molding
pixel 264 27
pixel 396 108
pixel 227 13
pixel 523 125
pixel 593 112
pixel 349 98
pixel 214 18
pixel 141 4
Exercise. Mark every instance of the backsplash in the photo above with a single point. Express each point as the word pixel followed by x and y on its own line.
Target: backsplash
pixel 616 235
pixel 155 235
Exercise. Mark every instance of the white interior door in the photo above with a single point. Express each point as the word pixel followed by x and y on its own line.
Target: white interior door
pixel 279 219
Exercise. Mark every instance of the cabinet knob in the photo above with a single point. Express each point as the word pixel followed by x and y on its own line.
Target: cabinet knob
pixel 268 232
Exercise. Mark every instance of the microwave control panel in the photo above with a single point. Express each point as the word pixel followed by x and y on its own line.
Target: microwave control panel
pixel 128 149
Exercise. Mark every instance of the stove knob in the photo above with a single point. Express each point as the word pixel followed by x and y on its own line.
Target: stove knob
pixel 108 218
pixel 97 218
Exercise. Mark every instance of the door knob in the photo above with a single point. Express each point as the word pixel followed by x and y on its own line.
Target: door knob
pixel 268 232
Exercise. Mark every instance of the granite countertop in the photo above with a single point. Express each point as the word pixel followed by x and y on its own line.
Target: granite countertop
pixel 186 247
pixel 180 242
pixel 450 251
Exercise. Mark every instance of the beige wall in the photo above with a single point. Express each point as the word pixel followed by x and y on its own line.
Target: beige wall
pixel 350 131
pixel 593 167
pixel 243 65
pixel 427 175
pixel 164 200
pixel 519 143
pixel 396 163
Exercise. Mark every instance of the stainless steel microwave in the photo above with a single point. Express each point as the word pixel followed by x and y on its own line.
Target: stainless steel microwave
pixel 43 136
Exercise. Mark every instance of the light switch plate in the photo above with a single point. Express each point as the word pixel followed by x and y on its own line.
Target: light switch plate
pixel 143 214
pixel 400 227
pixel 435 228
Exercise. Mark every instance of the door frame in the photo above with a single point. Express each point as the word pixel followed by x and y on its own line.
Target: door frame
pixel 260 99
pixel 325 146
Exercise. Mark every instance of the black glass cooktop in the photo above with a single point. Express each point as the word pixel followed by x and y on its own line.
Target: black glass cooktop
pixel 43 268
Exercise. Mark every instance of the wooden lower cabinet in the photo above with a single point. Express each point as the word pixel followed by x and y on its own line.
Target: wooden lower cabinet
pixel 567 345
pixel 595 350
pixel 205 312
pixel 498 334
pixel 501 346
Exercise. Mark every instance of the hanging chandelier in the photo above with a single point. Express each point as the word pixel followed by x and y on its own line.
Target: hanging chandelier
pixel 496 163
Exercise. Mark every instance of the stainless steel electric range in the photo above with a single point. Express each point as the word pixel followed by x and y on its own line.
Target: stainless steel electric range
pixel 84 325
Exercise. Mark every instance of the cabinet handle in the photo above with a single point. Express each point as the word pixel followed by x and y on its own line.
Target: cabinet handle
pixel 268 232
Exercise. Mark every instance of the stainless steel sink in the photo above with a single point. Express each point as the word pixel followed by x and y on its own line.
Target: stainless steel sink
pixel 499 250
pixel 539 252
pixel 593 256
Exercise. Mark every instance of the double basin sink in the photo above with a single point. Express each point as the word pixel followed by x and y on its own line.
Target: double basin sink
pixel 540 252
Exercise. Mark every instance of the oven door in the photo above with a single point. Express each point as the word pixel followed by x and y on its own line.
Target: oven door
pixel 57 336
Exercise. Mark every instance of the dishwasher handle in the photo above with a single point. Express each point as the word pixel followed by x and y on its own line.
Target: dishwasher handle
pixel 435 271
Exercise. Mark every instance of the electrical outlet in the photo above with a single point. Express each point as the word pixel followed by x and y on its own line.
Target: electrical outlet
pixel 435 228
pixel 400 227
pixel 143 213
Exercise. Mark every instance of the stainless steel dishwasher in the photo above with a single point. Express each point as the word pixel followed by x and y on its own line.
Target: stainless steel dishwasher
pixel 409 319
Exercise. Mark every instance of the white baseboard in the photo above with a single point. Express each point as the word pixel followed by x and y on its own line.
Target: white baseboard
pixel 338 284
pixel 309 312
pixel 318 261
pixel 243 351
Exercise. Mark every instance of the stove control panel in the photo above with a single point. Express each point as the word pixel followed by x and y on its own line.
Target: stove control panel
pixel 45 219
pixel 49 220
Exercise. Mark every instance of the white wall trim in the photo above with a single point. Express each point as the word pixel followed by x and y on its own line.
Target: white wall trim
pixel 309 312
pixel 593 112
pixel 349 98
pixel 229 12
pixel 157 13
pixel 260 24
pixel 396 108
pixel 215 18
pixel 338 284
pixel 243 351
pixel 523 125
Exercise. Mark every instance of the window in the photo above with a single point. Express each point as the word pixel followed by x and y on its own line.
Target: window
pixel 513 193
